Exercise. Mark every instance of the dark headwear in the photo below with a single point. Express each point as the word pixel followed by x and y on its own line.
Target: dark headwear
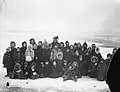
pixel 85 43
pixel 66 42
pixel 12 42
pixel 109 55
pixel 24 43
pixel 75 43
pixel 32 39
pixel 56 37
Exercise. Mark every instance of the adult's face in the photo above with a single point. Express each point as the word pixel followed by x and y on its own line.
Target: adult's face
pixel 55 40
pixel 32 42
pixel 75 46
pixel 79 45
pixel 76 52
pixel 13 45
pixel 25 45
pixel 43 46
pixel 109 57
pixel 85 46
pixel 61 45
pixel 71 47
pixel 67 44
pixel 18 49
pixel 40 43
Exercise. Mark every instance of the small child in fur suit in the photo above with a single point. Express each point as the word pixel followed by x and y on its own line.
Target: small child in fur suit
pixel 70 72
pixel 17 72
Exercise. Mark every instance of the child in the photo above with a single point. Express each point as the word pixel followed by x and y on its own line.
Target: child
pixel 92 70
pixel 34 72
pixel 19 56
pixel 70 72
pixel 29 54
pixel 17 72
pixel 102 70
pixel 27 70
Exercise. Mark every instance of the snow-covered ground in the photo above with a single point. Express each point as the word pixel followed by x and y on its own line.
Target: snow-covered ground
pixel 84 84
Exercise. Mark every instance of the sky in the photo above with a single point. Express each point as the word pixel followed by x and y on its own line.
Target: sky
pixel 69 19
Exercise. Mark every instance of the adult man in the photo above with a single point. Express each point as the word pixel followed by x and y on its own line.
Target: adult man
pixel 55 41
pixel 13 50
pixel 24 47
pixel 7 60
pixel 56 58
pixel 32 41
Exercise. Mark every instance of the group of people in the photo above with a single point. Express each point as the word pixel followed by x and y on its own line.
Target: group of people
pixel 56 59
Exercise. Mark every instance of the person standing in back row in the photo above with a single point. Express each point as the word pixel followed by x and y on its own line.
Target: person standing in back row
pixel 7 60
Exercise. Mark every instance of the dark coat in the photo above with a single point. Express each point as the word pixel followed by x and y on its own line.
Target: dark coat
pixel 102 71
pixel 68 56
pixel 7 60
pixel 19 57
pixel 85 63
pixel 14 50
pixel 99 56
pixel 70 74
pixel 113 74
pixel 92 70
pixel 45 55
pixel 23 49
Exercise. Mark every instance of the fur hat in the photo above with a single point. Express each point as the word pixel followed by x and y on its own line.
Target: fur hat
pixel 56 37
pixel 8 49
pixel 32 39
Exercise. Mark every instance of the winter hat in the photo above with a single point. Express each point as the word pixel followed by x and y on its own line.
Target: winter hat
pixel 56 37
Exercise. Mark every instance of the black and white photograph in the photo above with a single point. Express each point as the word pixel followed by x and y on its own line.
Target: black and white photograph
pixel 59 45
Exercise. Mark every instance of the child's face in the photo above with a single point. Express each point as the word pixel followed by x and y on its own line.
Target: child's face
pixel 65 63
pixel 102 61
pixel 18 49
pixel 109 57
pixel 79 45
pixel 71 47
pixel 61 45
pixel 67 44
pixel 56 46
pixel 80 57
pixel 25 65
pixel 40 43
pixel 24 45
pixel 76 52
pixel 94 60
pixel 43 46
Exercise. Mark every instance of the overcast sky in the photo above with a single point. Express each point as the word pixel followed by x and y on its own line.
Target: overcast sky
pixel 70 18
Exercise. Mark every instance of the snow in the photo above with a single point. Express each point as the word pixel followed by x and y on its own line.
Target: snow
pixel 82 85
